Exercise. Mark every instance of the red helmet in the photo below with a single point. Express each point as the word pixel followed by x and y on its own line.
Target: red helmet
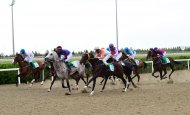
pixel 59 47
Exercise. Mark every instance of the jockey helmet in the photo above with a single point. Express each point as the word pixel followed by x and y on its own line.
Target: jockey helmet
pixel 108 49
pixel 126 49
pixel 22 51
pixel 151 48
pixel 111 45
pixel 155 49
pixel 96 48
pixel 59 47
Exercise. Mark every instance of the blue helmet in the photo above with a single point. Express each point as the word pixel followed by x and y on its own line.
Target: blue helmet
pixel 155 49
pixel 22 51
pixel 108 49
pixel 111 45
pixel 126 49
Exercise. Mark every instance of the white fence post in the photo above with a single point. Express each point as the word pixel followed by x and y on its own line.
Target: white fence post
pixel 18 77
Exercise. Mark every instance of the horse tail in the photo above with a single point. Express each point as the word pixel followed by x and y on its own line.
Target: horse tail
pixel 177 62
pixel 145 65
pixel 172 60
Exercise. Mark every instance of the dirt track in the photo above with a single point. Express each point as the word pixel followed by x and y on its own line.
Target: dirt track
pixel 154 97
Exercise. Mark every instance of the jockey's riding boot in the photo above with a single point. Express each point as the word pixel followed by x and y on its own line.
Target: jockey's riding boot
pixel 32 65
pixel 163 61
pixel 68 66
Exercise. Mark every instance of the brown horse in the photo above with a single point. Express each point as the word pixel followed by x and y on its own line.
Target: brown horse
pixel 136 68
pixel 101 70
pixel 159 66
pixel 25 69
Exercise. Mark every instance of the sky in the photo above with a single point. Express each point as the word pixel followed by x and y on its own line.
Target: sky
pixel 77 25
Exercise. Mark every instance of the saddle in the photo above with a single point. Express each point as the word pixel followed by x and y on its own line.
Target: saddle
pixel 33 64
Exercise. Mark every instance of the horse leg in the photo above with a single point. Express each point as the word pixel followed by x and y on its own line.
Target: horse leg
pixel 63 86
pixel 161 77
pixel 165 72
pixel 131 80
pixel 52 82
pixel 17 80
pixel 138 76
pixel 154 73
pixel 94 83
pixel 68 85
pixel 82 77
pixel 106 78
pixel 78 77
pixel 172 68
pixel 125 83
pixel 102 81
pixel 31 83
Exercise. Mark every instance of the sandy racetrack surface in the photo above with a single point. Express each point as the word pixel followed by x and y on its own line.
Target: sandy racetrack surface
pixel 153 97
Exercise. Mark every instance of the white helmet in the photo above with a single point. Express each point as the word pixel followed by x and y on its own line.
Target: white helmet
pixel 96 48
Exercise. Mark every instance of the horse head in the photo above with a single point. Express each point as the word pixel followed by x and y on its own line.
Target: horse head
pixel 90 57
pixel 123 57
pixel 86 57
pixel 52 56
pixel 151 54
pixel 18 58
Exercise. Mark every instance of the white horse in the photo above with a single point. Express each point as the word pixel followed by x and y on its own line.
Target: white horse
pixel 62 70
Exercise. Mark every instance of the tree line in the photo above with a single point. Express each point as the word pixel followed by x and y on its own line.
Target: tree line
pixel 177 49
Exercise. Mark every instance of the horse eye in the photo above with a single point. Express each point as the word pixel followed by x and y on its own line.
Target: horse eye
pixel 51 54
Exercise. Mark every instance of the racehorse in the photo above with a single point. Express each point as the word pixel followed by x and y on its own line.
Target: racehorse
pixel 26 70
pixel 60 69
pixel 101 70
pixel 159 66
pixel 127 68
pixel 136 67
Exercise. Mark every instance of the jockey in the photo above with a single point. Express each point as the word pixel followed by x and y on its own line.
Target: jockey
pixel 161 53
pixel 130 52
pixel 64 55
pixel 115 53
pixel 28 57
pixel 102 54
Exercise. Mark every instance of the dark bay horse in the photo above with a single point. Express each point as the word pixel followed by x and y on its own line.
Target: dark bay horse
pixel 136 67
pixel 127 68
pixel 100 70
pixel 159 66
pixel 26 70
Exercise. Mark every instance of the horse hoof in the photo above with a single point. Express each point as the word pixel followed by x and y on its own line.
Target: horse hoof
pixel 92 93
pixel 124 90
pixel 42 82
pixel 68 93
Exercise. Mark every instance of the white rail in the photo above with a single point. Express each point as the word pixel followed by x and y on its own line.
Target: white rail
pixel 12 69
pixel 17 69
pixel 175 60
